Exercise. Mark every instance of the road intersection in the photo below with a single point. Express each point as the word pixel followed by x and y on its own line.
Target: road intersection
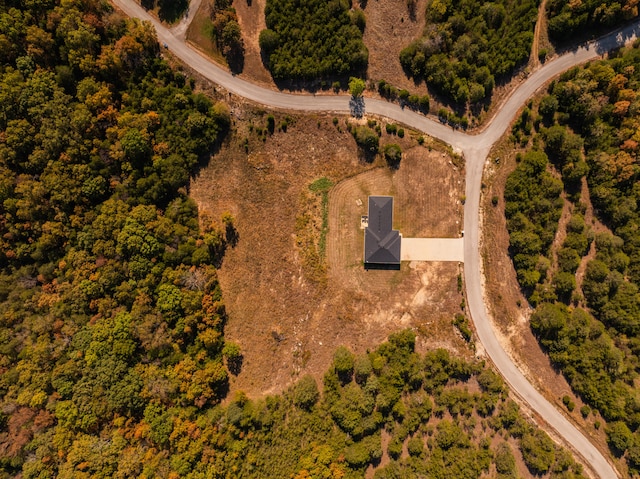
pixel 475 149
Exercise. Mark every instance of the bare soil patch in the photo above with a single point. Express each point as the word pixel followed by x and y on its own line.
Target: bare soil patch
pixel 287 322
pixel 389 29
pixel 252 22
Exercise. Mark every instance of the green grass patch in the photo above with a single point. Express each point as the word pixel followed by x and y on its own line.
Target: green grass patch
pixel 322 186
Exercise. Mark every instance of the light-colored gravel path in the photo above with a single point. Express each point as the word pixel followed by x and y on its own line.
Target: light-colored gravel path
pixel 432 249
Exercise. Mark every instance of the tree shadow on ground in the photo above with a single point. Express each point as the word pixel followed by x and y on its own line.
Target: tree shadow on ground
pixel 357 107
pixel 171 10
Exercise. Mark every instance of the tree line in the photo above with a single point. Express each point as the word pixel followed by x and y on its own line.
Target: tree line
pixel 566 18
pixel 585 130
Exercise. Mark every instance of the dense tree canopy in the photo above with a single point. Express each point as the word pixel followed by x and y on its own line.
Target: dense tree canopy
pixel 566 18
pixel 113 361
pixel 311 40
pixel 467 44
pixel 110 314
pixel 588 126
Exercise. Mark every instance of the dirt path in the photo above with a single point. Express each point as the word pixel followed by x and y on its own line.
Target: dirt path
pixel 561 234
pixel 541 28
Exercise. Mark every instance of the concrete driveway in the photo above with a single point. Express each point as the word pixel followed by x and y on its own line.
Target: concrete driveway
pixel 432 249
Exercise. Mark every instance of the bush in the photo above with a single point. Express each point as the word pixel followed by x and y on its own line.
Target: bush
pixel 505 461
pixel 538 451
pixel 394 449
pixel 269 41
pixel 356 87
pixel 343 363
pixel 271 124
pixel 619 437
pixel 367 139
pixel 415 446
pixel 393 155
pixel 569 404
pixel 362 368
pixel 564 284
pixel 357 455
pixel 423 103
pixel 305 393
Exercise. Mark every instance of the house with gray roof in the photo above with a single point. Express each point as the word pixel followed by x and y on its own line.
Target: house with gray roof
pixel 381 241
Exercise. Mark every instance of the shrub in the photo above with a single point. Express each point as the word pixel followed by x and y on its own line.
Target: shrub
pixel 271 124
pixel 505 461
pixel 367 139
pixel 343 363
pixel 362 368
pixel 356 87
pixel 619 437
pixel 305 392
pixel 393 155
pixel 394 449
pixel 570 405
pixel 269 41
pixel 538 451
pixel 415 446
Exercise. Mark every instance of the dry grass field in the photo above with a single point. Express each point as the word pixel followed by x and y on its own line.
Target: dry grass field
pixel 289 316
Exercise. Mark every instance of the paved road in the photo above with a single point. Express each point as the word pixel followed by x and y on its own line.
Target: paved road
pixel 475 149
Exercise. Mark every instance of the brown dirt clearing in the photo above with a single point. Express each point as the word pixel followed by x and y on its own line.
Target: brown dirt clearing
pixel 389 29
pixel 288 316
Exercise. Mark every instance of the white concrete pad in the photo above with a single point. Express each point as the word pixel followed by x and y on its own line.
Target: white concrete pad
pixel 432 249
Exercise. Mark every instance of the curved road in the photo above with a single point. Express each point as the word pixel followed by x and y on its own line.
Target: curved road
pixel 475 149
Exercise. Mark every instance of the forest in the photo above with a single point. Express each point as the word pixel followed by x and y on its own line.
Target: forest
pixel 113 361
pixel 567 18
pixel 583 133
pixel 110 309
pixel 313 40
pixel 468 45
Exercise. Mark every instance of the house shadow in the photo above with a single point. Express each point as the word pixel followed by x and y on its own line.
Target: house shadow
pixel 383 267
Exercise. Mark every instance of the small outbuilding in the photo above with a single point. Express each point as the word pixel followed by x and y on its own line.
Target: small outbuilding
pixel 381 241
